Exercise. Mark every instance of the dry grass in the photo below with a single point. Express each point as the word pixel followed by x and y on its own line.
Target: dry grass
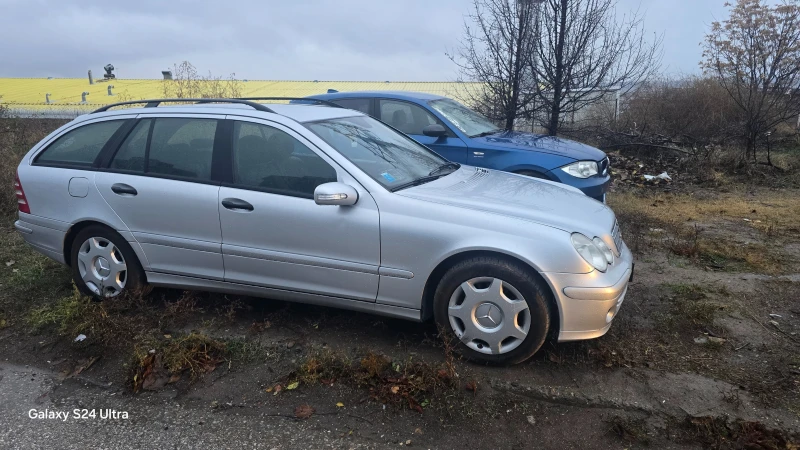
pixel 692 307
pixel 102 322
pixel 731 231
pixel 161 361
pixel 718 433
pixel 771 209
pixel 414 384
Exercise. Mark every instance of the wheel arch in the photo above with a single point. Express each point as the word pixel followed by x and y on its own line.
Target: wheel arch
pixel 438 272
pixel 76 228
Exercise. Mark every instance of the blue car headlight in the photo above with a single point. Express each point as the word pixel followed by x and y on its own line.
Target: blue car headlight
pixel 582 169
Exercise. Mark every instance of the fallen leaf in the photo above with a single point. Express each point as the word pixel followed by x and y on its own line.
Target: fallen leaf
pixel 340 405
pixel 278 388
pixel 167 336
pixel 395 389
pixel 472 386
pixel 269 389
pixel 10 263
pixel 293 385
pixel 303 411
pixel 85 364
pixel 174 378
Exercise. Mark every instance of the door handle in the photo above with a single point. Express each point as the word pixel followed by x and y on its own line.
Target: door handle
pixel 235 204
pixel 477 153
pixel 123 189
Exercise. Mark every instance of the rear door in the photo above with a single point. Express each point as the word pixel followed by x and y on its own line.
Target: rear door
pixel 159 183
pixel 411 119
pixel 275 235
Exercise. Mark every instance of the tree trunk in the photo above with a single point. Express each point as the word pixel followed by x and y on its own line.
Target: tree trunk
pixel 558 85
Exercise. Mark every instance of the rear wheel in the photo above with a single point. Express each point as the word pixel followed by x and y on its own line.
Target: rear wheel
pixel 104 264
pixel 496 309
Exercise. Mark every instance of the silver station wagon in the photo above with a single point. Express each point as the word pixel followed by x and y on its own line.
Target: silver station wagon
pixel 321 205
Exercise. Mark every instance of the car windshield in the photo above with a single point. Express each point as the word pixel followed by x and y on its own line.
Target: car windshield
pixel 465 119
pixel 390 158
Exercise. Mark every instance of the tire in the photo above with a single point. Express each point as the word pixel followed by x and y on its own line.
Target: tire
pixel 503 323
pixel 104 265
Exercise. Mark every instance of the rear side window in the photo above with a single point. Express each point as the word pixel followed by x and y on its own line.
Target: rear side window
pixel 406 117
pixel 182 148
pixel 359 104
pixel 80 146
pixel 174 147
pixel 131 154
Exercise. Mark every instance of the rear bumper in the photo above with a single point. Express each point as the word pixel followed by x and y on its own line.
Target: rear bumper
pixel 46 236
pixel 589 303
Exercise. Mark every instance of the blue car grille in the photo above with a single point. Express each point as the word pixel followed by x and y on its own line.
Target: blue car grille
pixel 617 236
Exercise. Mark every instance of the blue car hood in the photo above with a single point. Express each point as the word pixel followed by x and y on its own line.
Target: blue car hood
pixel 539 143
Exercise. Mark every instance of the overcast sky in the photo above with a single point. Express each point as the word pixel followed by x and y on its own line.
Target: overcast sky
pixel 280 39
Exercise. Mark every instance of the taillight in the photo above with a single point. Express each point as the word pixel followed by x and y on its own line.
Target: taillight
pixel 22 202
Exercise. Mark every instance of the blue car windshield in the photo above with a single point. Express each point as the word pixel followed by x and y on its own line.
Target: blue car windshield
pixel 390 158
pixel 468 121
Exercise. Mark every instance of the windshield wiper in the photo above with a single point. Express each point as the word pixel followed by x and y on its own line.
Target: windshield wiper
pixel 417 182
pixel 441 169
pixel 486 133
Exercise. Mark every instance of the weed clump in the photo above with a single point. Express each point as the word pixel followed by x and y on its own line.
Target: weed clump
pixel 411 383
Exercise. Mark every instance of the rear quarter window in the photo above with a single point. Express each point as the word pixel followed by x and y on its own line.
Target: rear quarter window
pixel 81 145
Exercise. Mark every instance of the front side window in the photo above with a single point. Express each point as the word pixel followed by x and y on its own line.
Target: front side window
pixel 406 117
pixel 468 121
pixel 266 158
pixel 81 145
pixel 390 158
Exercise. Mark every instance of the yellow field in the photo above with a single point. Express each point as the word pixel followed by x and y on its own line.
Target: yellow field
pixel 29 93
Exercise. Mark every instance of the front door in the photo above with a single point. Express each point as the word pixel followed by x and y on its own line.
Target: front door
pixel 275 235
pixel 159 184
pixel 411 119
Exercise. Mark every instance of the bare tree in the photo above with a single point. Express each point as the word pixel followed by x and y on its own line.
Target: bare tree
pixel 188 83
pixel 496 51
pixel 582 48
pixel 755 54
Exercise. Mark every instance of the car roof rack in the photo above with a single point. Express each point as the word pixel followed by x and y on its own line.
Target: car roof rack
pixel 305 99
pixel 152 103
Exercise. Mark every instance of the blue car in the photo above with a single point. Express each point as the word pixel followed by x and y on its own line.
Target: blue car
pixel 464 136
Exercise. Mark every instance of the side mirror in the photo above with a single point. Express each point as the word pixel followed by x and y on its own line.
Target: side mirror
pixel 434 130
pixel 338 194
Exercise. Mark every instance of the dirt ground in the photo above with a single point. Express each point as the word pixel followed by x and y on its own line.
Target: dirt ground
pixel 704 354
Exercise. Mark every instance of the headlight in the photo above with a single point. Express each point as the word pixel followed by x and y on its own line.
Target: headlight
pixel 589 251
pixel 599 243
pixel 582 169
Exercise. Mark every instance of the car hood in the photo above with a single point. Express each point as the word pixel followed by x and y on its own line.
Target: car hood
pixel 544 202
pixel 540 143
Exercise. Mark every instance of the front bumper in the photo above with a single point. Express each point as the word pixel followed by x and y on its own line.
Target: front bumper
pixel 588 303
pixel 595 187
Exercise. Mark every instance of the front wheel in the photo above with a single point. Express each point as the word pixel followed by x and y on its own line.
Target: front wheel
pixel 104 264
pixel 496 310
